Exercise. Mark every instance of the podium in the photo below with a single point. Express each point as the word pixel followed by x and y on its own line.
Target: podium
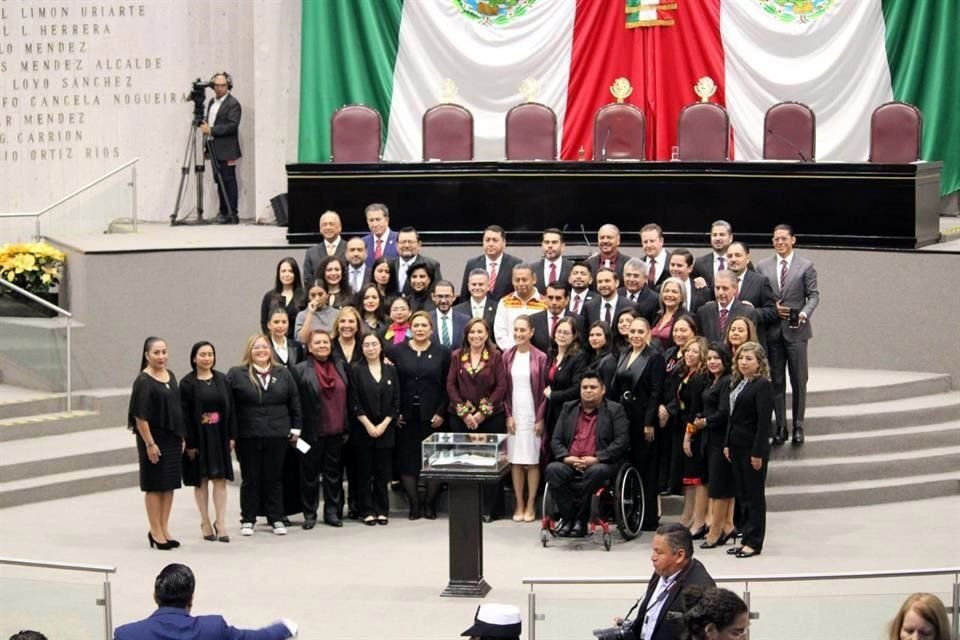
pixel 465 461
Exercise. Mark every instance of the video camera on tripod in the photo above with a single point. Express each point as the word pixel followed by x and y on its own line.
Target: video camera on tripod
pixel 198 94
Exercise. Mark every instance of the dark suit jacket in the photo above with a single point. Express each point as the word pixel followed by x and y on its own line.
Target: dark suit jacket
pixel 800 291
pixel 489 310
pixel 756 290
pixel 423 379
pixel 566 383
pixel 310 400
pixel 669 622
pixel 588 295
pixel 647 303
pixel 664 274
pixel 224 130
pixel 643 380
pixel 265 413
pixel 389 250
pixel 376 401
pixel 458 322
pixel 708 318
pixel 594 310
pixel 504 283
pixel 698 298
pixel 543 275
pixel 294 353
pixel 541 328
pixel 594 263
pixel 612 431
pixel 703 268
pixel 750 418
pixel 316 253
pixel 172 623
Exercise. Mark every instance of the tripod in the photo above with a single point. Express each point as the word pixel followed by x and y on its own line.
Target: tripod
pixel 198 154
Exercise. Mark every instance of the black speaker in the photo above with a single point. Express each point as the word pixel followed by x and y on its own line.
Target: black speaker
pixel 279 204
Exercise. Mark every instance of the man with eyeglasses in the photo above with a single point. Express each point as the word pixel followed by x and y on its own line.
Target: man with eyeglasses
pixel 448 323
pixel 222 125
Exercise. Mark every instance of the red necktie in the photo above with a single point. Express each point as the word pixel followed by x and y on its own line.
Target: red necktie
pixel 783 273
pixel 652 273
pixel 493 277
pixel 553 327
pixel 576 303
pixel 723 320
pixel 553 272
pixel 378 250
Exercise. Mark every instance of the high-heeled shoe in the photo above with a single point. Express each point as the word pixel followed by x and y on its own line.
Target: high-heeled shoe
pixel 219 537
pixel 209 538
pixel 722 540
pixel 173 543
pixel 154 544
pixel 700 533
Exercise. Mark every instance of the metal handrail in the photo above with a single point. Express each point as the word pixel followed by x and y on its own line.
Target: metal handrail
pixel 106 603
pixel 77 192
pixel 69 316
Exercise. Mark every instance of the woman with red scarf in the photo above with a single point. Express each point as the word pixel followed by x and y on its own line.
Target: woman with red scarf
pixel 322 383
pixel 397 331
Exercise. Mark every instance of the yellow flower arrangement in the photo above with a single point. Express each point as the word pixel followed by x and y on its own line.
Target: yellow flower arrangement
pixel 34 266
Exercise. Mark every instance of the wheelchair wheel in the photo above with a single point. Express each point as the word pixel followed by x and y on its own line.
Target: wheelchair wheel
pixel 629 503
pixel 607 541
pixel 548 507
pixel 544 537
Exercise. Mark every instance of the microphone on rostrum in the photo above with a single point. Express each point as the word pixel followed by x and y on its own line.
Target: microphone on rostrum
pixel 789 143
pixel 586 238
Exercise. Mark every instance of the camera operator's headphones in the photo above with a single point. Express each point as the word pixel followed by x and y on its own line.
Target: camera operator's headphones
pixel 225 75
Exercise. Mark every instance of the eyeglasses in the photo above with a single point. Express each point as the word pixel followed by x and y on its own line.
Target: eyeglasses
pixel 219 84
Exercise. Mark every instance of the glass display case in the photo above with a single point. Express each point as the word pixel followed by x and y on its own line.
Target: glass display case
pixel 481 453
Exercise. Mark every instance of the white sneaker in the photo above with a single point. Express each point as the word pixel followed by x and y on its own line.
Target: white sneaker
pixel 246 528
pixel 279 529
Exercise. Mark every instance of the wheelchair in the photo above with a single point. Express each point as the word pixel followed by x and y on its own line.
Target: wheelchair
pixel 620 502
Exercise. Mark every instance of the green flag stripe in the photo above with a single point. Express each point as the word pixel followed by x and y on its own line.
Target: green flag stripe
pixel 925 71
pixel 348 51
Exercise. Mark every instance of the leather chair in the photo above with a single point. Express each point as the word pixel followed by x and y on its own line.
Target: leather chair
pixel 619 132
pixel 531 132
pixel 789 132
pixel 895 133
pixel 355 132
pixel 447 133
pixel 703 133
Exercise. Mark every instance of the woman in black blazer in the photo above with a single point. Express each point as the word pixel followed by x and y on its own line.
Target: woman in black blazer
pixel 268 417
pixel 422 365
pixel 684 330
pixel 211 433
pixel 287 293
pixel 323 385
pixel 713 426
pixel 333 271
pixel 375 405
pixel 601 357
pixel 285 350
pixel 693 381
pixel 638 385
pixel 419 288
pixel 566 365
pixel 747 446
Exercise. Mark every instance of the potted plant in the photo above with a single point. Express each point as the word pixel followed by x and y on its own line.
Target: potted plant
pixel 36 267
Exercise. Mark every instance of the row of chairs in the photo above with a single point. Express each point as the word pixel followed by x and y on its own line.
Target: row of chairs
pixel 619 133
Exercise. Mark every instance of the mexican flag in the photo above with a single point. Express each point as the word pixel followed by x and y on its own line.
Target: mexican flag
pixel 843 58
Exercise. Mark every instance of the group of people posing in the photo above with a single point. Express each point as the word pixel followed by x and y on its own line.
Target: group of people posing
pixel 355 366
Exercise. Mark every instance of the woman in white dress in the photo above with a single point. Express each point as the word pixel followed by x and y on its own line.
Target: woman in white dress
pixel 525 368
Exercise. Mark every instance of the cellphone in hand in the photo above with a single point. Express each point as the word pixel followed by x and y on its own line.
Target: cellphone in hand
pixel 794 321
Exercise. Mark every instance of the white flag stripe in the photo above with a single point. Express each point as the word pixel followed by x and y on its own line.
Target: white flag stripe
pixel 487 63
pixel 836 64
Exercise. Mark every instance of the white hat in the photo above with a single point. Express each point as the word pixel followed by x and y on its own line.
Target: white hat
pixel 495 621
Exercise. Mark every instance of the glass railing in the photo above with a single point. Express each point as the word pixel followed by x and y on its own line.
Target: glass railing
pixel 60 600
pixel 851 606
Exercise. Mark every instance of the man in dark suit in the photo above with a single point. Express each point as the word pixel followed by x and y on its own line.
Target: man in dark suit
pixel 794 281
pixel 660 613
pixel 706 266
pixel 497 264
pixel 657 258
pixel 358 273
pixel 714 317
pixel 608 302
pixel 580 280
pixel 554 266
pixel 332 244
pixel 588 445
pixel 476 303
pixel 609 256
pixel 173 592
pixel 223 126
pixel 448 323
pixel 544 322
pixel 753 288
pixel 408 254
pixel 635 289
pixel 681 267
pixel 381 241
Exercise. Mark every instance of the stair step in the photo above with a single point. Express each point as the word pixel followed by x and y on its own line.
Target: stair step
pixel 923 410
pixel 17 402
pixel 864 492
pixel 68 484
pixel 864 467
pixel 857 443
pixel 831 386
pixel 34 457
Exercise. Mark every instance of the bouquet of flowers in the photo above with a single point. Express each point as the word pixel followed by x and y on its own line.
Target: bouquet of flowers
pixel 35 266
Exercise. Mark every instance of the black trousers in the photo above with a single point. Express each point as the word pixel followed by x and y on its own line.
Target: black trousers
pixel 373 475
pixel 228 176
pixel 566 482
pixel 261 469
pixel 670 452
pixel 788 357
pixel 321 465
pixel 348 469
pixel 751 497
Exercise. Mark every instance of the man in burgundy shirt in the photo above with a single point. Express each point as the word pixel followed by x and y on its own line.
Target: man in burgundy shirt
pixel 588 445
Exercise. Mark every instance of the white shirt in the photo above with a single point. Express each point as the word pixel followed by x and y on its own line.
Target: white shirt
pixel 546 269
pixel 780 260
pixel 657 600
pixel 477 308
pixel 574 296
pixel 493 262
pixel 402 267
pixel 687 293
pixel 612 301
pixel 439 324
pixel 661 259
pixel 215 109
pixel 716 262
pixel 331 247
pixel 355 277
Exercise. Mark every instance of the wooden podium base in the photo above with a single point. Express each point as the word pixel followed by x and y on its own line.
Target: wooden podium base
pixel 466 589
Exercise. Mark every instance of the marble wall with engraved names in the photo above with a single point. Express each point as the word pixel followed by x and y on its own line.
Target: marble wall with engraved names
pixel 88 85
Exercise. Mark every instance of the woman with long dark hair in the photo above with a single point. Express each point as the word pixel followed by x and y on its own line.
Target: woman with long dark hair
pixel 285 350
pixel 333 271
pixel 155 417
pixel 375 403
pixel 211 433
pixel 693 381
pixel 599 349
pixel 371 308
pixel 621 329
pixel 287 293
pixel 684 329
pixel 566 364
pixel 747 445
pixel 384 276
pixel 268 417
pixel 419 291
pixel 713 614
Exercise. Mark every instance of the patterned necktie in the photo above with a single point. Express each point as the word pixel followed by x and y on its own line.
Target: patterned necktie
pixel 576 303
pixel 783 273
pixel 721 263
pixel 553 272
pixel 652 273
pixel 493 277
pixel 553 326
pixel 608 314
pixel 723 320
pixel 378 249
pixel 445 331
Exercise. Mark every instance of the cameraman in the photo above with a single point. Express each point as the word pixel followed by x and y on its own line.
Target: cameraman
pixel 222 125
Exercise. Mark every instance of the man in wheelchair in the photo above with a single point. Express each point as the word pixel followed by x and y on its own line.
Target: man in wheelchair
pixel 589 443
